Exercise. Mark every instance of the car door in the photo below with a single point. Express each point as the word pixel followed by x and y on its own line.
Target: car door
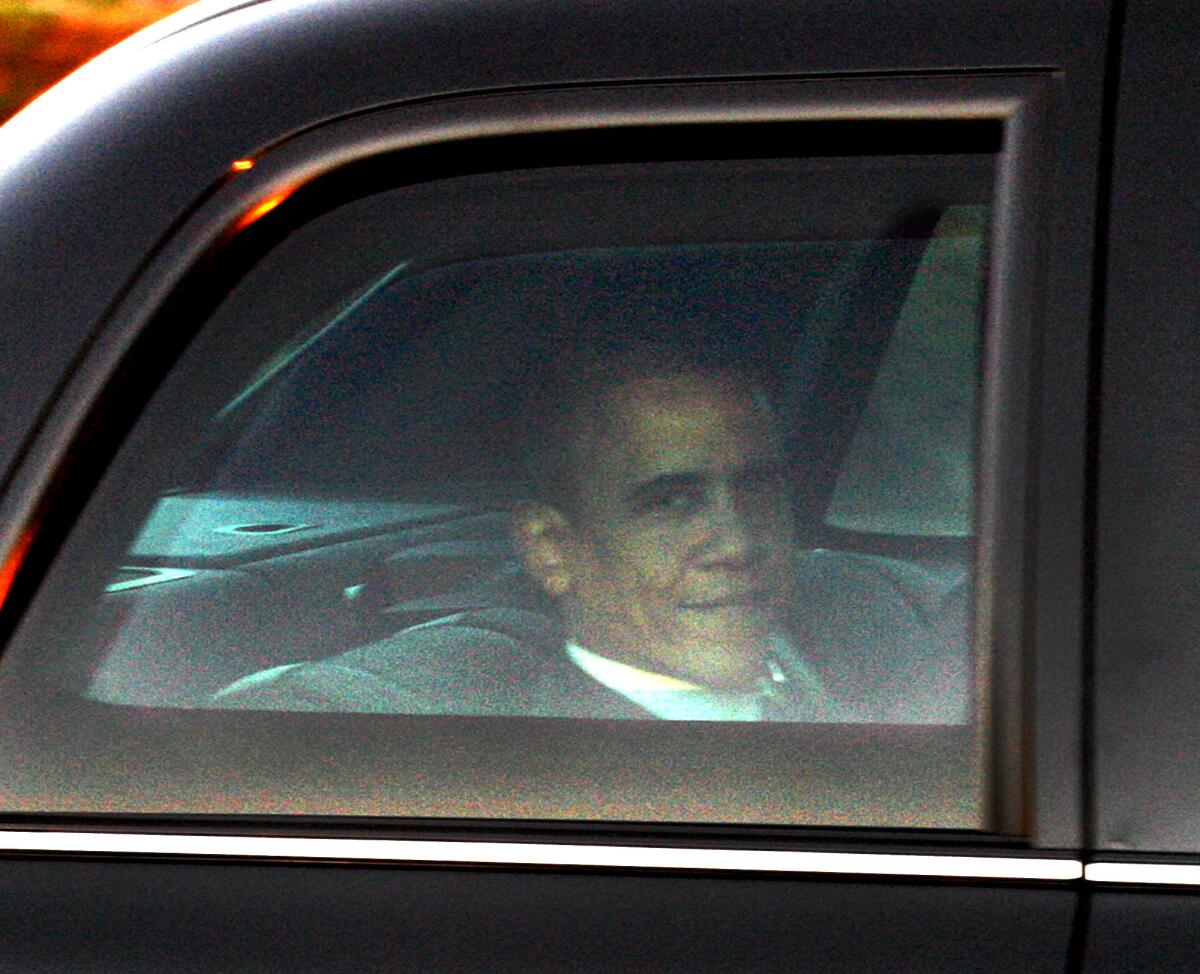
pixel 1144 831
pixel 232 507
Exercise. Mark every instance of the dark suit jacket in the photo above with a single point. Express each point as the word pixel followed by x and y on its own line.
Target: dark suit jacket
pixel 493 662
pixel 490 662
pixel 887 639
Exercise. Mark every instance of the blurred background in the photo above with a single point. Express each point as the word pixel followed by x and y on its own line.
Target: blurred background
pixel 42 41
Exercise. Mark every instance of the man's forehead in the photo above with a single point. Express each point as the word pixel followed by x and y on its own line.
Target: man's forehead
pixel 681 423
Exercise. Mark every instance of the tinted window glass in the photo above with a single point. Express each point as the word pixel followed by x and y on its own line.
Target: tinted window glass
pixel 672 444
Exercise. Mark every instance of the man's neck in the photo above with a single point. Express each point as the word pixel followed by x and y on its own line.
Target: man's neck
pixel 614 672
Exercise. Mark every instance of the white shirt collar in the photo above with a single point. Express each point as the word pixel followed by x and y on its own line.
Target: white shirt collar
pixel 671 698
pixel 668 697
pixel 622 677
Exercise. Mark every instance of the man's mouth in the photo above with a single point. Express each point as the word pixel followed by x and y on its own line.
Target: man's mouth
pixel 741 600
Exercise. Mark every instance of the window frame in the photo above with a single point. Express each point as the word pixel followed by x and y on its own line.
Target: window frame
pixel 51 480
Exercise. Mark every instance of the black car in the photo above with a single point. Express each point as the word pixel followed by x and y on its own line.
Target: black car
pixel 304 312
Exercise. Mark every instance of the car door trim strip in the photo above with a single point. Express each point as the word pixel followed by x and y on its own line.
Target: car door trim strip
pixel 1143 873
pixel 474 853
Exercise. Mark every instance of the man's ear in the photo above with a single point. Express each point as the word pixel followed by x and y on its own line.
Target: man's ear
pixel 542 535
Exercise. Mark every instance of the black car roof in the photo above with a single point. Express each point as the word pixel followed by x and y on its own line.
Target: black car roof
pixel 96 173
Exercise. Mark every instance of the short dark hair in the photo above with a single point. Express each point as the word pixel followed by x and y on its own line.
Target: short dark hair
pixel 574 388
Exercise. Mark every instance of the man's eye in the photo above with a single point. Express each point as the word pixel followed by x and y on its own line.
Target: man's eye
pixel 766 480
pixel 676 502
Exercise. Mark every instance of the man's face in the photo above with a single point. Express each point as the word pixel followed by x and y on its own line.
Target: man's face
pixel 677 556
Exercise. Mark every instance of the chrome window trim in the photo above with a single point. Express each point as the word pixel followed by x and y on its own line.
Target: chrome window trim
pixel 576 855
pixel 538 854
pixel 1142 873
pixel 1019 100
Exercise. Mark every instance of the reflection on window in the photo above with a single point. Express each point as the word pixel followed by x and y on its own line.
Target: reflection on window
pixel 660 482
pixel 910 467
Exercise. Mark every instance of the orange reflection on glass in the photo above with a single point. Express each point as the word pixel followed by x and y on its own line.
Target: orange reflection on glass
pixel 241 165
pixel 257 212
pixel 12 564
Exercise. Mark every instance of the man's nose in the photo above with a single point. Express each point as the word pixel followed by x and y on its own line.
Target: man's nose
pixel 731 540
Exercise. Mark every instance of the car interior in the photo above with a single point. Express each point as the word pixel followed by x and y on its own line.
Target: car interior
pixel 356 488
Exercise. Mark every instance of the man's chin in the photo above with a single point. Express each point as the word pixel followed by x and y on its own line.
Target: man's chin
pixel 728 623
pixel 731 655
pixel 737 669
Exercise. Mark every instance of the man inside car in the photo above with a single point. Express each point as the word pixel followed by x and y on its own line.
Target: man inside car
pixel 661 529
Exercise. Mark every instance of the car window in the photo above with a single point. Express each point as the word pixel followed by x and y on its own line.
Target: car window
pixel 910 466
pixel 681 447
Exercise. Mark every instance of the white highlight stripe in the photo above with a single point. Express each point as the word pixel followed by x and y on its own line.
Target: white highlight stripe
pixel 1145 873
pixel 541 854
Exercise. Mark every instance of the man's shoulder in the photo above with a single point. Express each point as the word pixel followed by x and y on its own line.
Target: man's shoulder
pixel 492 662
pixel 888 638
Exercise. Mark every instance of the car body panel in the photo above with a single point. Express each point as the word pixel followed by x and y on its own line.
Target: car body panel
pixel 103 180
pixel 188 105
